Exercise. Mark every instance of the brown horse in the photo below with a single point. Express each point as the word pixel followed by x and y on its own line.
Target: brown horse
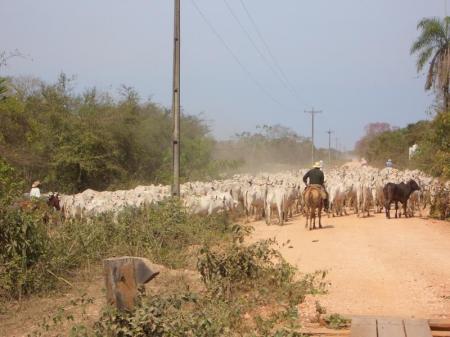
pixel 313 202
pixel 53 201
pixel 44 208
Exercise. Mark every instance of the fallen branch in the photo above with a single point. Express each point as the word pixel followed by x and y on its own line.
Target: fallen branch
pixel 60 278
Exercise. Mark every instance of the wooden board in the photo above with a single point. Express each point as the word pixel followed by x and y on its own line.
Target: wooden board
pixel 439 324
pixel 417 328
pixel 363 327
pixel 437 333
pixel 390 328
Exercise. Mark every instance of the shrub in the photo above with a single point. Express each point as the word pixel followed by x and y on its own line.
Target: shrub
pixel 24 246
pixel 176 315
pixel 10 184
pixel 440 206
pixel 336 321
pixel 239 280
pixel 35 255
pixel 238 267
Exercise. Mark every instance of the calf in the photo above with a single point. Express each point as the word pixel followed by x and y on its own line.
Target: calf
pixel 398 193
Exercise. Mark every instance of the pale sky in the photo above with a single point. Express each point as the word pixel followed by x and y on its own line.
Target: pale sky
pixel 349 58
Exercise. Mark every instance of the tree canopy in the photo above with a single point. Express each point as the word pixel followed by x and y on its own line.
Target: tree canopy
pixel 76 141
pixel 433 46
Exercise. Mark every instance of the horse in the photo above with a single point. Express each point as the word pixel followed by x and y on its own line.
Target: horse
pixel 313 201
pixel 53 201
pixel 40 205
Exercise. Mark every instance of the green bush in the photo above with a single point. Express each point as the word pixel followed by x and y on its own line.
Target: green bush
pixel 24 246
pixel 432 137
pixel 336 321
pixel 239 280
pixel 35 255
pixel 10 184
pixel 76 141
pixel 159 316
pixel 440 206
pixel 434 150
pixel 238 267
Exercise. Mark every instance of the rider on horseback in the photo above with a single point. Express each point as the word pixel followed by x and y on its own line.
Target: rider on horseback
pixel 316 180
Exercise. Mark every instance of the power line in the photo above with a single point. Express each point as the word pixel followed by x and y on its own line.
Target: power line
pixel 235 57
pixel 269 51
pixel 255 46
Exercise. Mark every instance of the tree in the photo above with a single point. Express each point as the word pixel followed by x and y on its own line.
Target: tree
pixel 73 141
pixel 433 45
pixel 434 151
pixel 3 88
pixel 4 57
pixel 372 131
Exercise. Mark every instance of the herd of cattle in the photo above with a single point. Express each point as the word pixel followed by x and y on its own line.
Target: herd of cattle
pixel 356 189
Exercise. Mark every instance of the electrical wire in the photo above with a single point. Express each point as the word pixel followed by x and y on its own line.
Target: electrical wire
pixel 269 51
pixel 236 58
pixel 255 46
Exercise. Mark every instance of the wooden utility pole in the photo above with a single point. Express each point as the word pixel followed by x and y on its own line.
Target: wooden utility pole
pixel 176 102
pixel 329 146
pixel 312 112
pixel 336 147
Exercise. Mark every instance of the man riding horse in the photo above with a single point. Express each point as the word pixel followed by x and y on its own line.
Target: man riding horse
pixel 316 180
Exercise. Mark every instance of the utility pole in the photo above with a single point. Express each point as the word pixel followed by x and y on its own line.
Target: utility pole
pixel 176 102
pixel 329 146
pixel 336 147
pixel 312 112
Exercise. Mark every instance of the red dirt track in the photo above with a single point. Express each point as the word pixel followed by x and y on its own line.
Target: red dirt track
pixel 397 267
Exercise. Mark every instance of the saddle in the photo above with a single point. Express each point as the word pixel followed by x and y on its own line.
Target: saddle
pixel 320 188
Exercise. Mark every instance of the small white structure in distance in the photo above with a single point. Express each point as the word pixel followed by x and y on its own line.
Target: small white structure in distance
pixel 412 150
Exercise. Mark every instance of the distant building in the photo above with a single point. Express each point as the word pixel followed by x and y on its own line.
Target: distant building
pixel 412 150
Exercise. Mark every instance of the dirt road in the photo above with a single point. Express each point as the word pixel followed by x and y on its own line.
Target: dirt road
pixel 399 267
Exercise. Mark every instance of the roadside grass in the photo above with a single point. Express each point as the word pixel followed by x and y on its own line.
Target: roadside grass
pixel 37 257
pixel 337 321
pixel 240 289
pixel 248 290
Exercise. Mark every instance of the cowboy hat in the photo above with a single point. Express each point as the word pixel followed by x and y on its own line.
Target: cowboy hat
pixel 317 165
pixel 36 184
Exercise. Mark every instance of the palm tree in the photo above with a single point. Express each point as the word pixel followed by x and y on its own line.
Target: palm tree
pixel 433 45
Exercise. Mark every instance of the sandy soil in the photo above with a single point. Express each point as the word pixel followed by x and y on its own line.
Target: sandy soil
pixel 397 267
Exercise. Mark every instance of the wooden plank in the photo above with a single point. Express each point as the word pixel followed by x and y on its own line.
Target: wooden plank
pixel 436 333
pixel 363 327
pixel 439 324
pixel 417 328
pixel 390 328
